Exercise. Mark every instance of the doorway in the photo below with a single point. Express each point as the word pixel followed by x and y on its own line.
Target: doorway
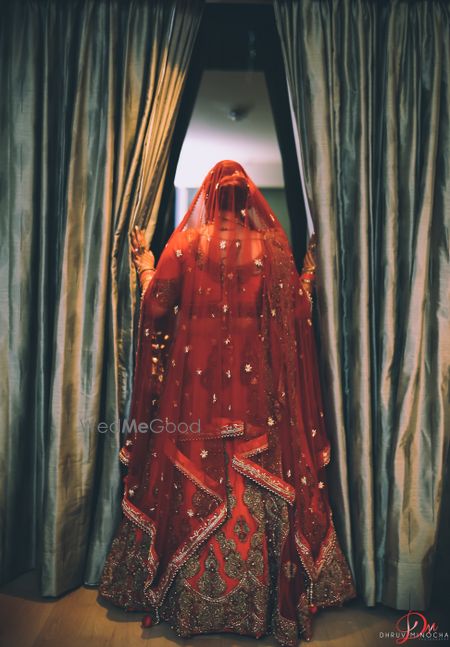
pixel 235 105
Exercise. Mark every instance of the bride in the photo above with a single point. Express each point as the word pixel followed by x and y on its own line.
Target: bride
pixel 227 525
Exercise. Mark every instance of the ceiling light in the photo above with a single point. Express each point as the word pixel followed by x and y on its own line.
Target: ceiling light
pixel 238 113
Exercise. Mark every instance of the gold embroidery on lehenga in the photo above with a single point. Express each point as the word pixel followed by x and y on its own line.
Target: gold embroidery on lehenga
pixel 243 609
pixel 241 529
pixel 156 596
pixel 234 565
pixel 125 569
pixel 246 608
pixel 190 613
pixel 253 499
pixel 255 558
pixel 191 567
pixel 210 583
pixel 277 523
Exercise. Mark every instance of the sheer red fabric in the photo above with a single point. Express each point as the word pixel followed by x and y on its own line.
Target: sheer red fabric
pixel 226 396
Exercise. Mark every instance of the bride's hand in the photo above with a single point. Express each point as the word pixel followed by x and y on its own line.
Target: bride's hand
pixel 307 276
pixel 142 257
pixel 309 262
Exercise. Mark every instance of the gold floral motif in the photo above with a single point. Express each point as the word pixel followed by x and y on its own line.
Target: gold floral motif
pixel 234 565
pixel 241 529
pixel 211 583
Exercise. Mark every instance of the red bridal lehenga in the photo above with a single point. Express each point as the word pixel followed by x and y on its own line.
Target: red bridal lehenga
pixel 227 525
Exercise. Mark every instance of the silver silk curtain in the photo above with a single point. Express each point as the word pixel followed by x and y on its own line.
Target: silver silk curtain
pixel 370 91
pixel 90 92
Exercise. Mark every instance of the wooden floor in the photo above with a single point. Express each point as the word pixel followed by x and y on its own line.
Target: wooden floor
pixel 80 619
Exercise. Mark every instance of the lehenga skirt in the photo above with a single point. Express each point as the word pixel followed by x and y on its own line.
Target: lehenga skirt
pixel 232 583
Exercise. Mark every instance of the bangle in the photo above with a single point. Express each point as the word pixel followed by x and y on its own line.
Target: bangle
pixel 144 287
pixel 147 269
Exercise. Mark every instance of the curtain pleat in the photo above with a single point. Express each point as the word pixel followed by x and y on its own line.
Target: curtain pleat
pixel 369 88
pixel 90 97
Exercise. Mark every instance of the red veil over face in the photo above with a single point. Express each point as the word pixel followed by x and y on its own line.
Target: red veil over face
pixel 226 384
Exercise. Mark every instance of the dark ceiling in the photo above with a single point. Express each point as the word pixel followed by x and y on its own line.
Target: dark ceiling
pixel 234 35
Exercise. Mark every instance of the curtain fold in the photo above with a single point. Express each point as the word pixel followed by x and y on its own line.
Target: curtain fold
pixel 90 94
pixel 369 88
